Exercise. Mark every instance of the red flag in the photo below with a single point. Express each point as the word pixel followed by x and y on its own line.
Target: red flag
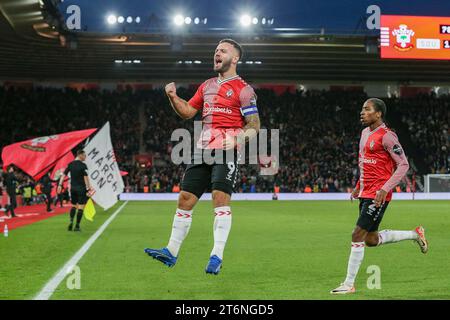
pixel 61 165
pixel 59 168
pixel 36 156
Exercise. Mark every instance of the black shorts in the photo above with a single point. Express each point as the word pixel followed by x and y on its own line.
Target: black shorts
pixel 78 196
pixel 370 216
pixel 220 176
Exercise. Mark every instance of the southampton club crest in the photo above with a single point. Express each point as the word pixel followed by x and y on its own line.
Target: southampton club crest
pixel 38 144
pixel 403 38
pixel 229 93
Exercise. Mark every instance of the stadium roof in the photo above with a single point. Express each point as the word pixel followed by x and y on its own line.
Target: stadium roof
pixel 32 50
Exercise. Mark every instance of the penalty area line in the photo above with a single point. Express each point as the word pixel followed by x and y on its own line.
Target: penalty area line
pixel 50 287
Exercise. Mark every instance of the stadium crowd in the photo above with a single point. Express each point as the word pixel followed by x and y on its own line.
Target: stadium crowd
pixel 319 132
pixel 428 119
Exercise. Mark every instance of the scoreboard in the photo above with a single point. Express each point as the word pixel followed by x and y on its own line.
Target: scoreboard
pixel 415 37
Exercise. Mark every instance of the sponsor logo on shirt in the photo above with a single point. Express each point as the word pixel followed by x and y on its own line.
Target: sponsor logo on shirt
pixel 369 161
pixel 212 109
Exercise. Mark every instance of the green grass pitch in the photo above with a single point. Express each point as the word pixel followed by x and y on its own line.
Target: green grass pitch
pixel 276 250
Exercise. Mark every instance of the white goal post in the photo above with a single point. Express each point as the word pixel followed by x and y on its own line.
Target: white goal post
pixel 437 183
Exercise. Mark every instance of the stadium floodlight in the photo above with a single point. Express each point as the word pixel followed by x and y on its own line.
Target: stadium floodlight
pixel 178 20
pixel 136 61
pixel 246 20
pixel 130 19
pixel 188 20
pixel 128 61
pixel 118 61
pixel 138 20
pixel 197 20
pixel 112 19
pixel 120 19
pixel 205 21
pixel 255 20
pixel 197 62
pixel 258 62
pixel 263 20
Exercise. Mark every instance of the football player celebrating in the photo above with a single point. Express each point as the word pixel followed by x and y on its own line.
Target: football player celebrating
pixel 382 165
pixel 230 119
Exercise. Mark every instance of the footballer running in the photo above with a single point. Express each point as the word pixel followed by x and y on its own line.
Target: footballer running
pixel 382 165
pixel 230 119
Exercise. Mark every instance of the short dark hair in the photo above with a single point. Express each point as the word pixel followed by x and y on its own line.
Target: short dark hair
pixel 379 106
pixel 234 44
pixel 81 151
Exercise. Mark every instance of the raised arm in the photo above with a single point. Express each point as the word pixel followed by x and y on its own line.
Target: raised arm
pixel 179 105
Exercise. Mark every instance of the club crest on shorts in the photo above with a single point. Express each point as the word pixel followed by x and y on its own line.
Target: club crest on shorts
pixel 229 93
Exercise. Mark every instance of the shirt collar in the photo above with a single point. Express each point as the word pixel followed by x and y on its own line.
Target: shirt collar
pixel 227 79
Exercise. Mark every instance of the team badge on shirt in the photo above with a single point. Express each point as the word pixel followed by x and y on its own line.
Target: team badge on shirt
pixel 229 93
pixel 372 143
pixel 397 149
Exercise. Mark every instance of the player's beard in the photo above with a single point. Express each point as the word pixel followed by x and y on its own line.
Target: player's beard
pixel 226 65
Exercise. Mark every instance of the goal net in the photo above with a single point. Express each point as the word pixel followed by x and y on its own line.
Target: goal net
pixel 437 183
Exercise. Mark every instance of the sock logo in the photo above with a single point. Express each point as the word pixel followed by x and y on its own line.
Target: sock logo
pixel 181 215
pixel 223 213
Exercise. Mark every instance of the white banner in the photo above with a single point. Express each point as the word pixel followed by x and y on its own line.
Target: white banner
pixel 104 173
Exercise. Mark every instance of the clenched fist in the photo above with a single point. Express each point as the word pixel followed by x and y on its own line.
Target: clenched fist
pixel 171 89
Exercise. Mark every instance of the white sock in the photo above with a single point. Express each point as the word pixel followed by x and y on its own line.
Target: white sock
pixel 222 227
pixel 354 261
pixel 180 228
pixel 391 236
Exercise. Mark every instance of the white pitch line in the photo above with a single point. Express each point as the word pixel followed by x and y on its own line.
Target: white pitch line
pixel 54 282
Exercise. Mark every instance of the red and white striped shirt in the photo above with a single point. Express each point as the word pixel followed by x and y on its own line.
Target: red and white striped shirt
pixel 382 162
pixel 224 105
